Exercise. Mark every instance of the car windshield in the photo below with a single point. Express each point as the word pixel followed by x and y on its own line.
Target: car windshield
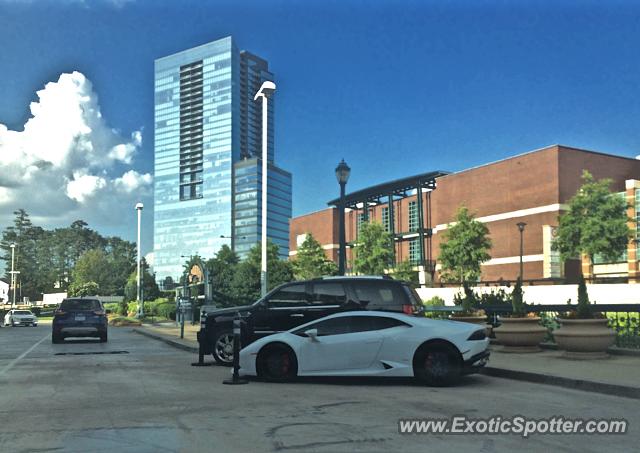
pixel 80 304
pixel 22 312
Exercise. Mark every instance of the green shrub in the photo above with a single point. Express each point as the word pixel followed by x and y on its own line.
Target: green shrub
pixel 468 300
pixel 435 301
pixel 166 310
pixel 495 297
pixel 583 310
pixel 111 307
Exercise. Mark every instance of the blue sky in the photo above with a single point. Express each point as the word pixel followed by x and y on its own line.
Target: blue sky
pixel 394 88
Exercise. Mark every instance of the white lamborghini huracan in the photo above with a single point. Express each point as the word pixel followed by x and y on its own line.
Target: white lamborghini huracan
pixel 370 343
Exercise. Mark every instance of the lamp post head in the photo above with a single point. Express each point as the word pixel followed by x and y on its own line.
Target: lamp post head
pixel 342 172
pixel 268 87
pixel 12 246
pixel 521 226
pixel 139 206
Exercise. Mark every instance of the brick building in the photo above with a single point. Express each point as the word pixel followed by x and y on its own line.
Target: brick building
pixel 533 187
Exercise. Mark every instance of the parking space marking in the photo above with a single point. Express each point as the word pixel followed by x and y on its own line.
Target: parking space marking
pixel 21 356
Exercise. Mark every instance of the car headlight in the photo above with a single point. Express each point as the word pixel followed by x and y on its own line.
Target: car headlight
pixel 477 335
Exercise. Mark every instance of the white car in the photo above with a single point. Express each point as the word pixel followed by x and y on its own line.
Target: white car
pixel 20 318
pixel 370 343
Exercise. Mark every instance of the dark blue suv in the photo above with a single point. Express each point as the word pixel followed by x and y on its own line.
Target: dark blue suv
pixel 79 317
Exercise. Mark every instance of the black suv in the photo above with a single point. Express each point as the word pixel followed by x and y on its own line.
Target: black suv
pixel 293 304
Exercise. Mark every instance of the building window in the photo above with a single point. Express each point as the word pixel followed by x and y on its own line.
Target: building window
pixel 414 251
pixel 360 219
pixel 637 215
pixel 413 216
pixel 385 219
pixel 191 131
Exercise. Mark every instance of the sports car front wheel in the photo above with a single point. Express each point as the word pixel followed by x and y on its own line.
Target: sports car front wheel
pixel 277 363
pixel 437 365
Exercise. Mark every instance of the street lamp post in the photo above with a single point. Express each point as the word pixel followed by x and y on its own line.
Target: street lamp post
pixel 13 276
pixel 521 226
pixel 342 175
pixel 139 207
pixel 267 87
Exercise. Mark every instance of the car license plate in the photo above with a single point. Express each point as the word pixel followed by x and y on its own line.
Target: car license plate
pixel 80 318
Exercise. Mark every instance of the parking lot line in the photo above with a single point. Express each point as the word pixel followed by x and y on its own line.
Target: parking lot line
pixel 21 356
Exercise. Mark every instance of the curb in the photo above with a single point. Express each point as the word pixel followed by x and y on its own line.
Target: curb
pixel 558 381
pixel 171 342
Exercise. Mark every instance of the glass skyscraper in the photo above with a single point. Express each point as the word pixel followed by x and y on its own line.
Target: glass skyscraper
pixel 207 125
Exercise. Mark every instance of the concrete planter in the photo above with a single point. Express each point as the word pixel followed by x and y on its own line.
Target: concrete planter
pixel 520 334
pixel 584 338
pixel 481 320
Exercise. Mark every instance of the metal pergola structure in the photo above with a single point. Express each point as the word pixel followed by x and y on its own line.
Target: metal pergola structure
pixel 391 192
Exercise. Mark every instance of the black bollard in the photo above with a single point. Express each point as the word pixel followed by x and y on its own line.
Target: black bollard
pixel 202 338
pixel 181 322
pixel 235 380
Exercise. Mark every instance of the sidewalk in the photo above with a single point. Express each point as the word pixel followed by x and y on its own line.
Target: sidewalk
pixel 169 333
pixel 617 375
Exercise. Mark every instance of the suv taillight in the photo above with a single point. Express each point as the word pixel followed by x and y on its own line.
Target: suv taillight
pixel 98 312
pixel 407 309
pixel 58 312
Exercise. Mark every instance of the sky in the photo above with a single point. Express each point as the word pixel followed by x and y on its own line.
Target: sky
pixel 395 88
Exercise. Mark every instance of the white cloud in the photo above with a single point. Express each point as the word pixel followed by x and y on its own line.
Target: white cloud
pixel 68 163
pixel 83 187
pixel 132 180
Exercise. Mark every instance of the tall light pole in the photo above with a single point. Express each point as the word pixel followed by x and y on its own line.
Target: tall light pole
pixel 342 175
pixel 139 207
pixel 13 276
pixel 521 226
pixel 267 88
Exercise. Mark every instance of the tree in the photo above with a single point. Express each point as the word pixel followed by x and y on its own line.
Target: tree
pixel 245 287
pixel 595 224
pixel 93 266
pixel 464 248
pixel 405 272
pixel 311 261
pixel 222 269
pixel 46 259
pixel 374 249
pixel 84 289
pixel 150 289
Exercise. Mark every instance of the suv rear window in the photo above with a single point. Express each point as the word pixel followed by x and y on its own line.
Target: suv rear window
pixel 80 304
pixel 380 295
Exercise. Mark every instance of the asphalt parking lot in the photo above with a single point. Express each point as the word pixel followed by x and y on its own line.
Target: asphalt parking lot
pixel 135 394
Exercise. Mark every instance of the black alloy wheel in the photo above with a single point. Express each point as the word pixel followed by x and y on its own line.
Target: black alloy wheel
pixel 437 365
pixel 277 363
pixel 223 348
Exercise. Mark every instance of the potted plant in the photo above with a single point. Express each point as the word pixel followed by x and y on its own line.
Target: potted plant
pixel 469 313
pixel 584 334
pixel 519 332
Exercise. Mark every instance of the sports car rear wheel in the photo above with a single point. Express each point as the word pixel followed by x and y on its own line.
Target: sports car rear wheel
pixel 277 363
pixel 437 365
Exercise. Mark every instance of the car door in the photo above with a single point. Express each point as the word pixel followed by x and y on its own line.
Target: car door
pixel 374 331
pixel 364 342
pixel 328 352
pixel 282 310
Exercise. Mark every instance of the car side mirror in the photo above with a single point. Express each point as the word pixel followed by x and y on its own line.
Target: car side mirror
pixel 312 334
